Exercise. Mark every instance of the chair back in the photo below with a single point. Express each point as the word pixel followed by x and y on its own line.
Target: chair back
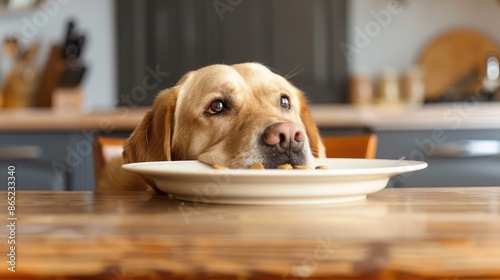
pixel 351 146
pixel 104 150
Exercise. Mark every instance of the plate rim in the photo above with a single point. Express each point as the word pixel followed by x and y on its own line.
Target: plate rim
pixel 407 166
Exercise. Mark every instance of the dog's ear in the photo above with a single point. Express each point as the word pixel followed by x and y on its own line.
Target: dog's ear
pixel 317 147
pixel 151 140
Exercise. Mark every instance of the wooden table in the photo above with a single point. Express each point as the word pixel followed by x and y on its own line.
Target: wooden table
pixel 438 233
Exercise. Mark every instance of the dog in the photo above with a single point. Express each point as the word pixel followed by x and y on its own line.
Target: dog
pixel 229 115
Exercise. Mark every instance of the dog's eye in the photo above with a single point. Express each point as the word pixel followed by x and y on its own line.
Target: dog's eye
pixel 285 102
pixel 216 107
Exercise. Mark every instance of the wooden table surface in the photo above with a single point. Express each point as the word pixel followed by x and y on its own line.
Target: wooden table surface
pixel 417 233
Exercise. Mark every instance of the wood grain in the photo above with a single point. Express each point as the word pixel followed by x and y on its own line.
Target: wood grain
pixel 424 233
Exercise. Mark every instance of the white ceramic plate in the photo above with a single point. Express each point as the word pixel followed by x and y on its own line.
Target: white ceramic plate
pixel 345 180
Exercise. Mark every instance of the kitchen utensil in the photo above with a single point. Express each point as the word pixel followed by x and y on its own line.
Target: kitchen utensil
pixel 490 85
pixel 51 77
pixel 73 42
pixel 451 56
pixel 72 77
pixel 63 73
pixel 18 87
pixel 464 87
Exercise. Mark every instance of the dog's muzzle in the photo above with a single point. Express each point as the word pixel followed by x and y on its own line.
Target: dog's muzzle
pixel 284 143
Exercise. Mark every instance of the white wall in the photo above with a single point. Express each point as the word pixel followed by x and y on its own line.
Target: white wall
pixel 93 17
pixel 398 44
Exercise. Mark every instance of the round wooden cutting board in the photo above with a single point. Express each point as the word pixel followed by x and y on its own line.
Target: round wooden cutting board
pixel 452 57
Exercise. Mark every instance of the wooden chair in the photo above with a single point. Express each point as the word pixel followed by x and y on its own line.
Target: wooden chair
pixel 351 146
pixel 104 150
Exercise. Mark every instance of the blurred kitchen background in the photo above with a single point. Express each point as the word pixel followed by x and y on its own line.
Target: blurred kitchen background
pixel 327 44
pixel 421 74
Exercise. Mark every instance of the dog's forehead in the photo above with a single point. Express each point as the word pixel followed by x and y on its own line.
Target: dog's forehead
pixel 247 83
pixel 257 75
pixel 234 77
pixel 253 70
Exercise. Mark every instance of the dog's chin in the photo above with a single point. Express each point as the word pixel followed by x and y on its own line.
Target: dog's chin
pixel 273 158
pixel 269 157
pixel 269 161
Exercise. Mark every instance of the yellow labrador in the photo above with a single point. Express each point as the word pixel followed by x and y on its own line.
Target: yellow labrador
pixel 229 115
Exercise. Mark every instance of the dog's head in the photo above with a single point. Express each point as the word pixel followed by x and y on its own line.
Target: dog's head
pixel 228 115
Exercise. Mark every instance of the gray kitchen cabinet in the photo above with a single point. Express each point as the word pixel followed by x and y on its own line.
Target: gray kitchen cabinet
pixel 455 157
pixel 65 160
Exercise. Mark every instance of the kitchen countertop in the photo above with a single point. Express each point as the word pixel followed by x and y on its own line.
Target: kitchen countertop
pixel 436 116
pixel 48 120
pixel 433 116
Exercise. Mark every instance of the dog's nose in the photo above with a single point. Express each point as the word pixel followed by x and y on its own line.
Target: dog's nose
pixel 285 136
